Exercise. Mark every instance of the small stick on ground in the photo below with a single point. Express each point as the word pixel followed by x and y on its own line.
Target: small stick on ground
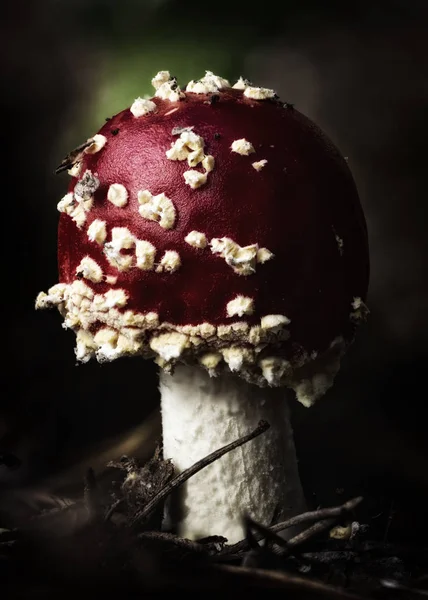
pixel 113 508
pixel 174 542
pixel 139 518
pixel 308 517
pixel 310 532
pixel 257 531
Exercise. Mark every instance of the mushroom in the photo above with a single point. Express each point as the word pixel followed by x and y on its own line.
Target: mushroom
pixel 203 234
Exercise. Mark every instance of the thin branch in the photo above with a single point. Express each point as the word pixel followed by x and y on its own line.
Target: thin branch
pixel 270 541
pixel 174 541
pixel 73 157
pixel 142 514
pixel 308 517
pixel 310 532
pixel 259 532
pixel 113 508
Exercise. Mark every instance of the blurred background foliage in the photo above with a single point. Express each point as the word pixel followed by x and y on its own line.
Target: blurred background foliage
pixel 359 69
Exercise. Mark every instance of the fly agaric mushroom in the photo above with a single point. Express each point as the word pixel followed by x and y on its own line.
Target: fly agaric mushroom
pixel 219 232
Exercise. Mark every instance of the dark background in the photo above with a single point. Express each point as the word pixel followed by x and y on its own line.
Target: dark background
pixel 360 71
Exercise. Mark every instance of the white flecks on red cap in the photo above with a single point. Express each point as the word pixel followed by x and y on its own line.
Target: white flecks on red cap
pixel 195 157
pixel 89 269
pixel 195 179
pixel 210 83
pixel 241 84
pixel 67 203
pixel 274 322
pixel 258 166
pixel 166 87
pixel 169 345
pixel 145 255
pixel 239 306
pixel 208 163
pixel 118 194
pixel 170 91
pixel 197 239
pixel 274 369
pixel 85 345
pixel 97 231
pixel 142 106
pixel 111 344
pixel 242 259
pixel 80 212
pixel 121 239
pixel 129 333
pixel 76 169
pixel 76 207
pixel 169 263
pixel 157 208
pixel 111 279
pixel 98 142
pixel 236 357
pixel 189 144
pixel 116 297
pixel 204 330
pixel 211 360
pixel 233 331
pixel 160 78
pixel 106 336
pixel 259 93
pixel 263 255
pixel 242 146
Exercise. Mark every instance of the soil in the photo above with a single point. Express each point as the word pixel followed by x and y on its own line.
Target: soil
pixel 108 542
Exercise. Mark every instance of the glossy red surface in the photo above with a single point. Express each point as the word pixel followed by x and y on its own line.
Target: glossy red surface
pixel 294 206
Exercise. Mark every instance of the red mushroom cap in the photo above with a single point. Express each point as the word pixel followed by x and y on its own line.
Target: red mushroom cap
pixel 277 244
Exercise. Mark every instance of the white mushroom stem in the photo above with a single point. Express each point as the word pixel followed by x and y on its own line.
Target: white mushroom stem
pixel 201 414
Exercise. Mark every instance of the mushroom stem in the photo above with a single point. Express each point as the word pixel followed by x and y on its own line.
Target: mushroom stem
pixel 201 414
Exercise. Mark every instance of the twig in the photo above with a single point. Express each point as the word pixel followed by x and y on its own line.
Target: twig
pixel 272 538
pixel 310 532
pixel 308 517
pixel 217 540
pixel 262 532
pixel 142 514
pixel 73 157
pixel 330 557
pixel 113 508
pixel 174 541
